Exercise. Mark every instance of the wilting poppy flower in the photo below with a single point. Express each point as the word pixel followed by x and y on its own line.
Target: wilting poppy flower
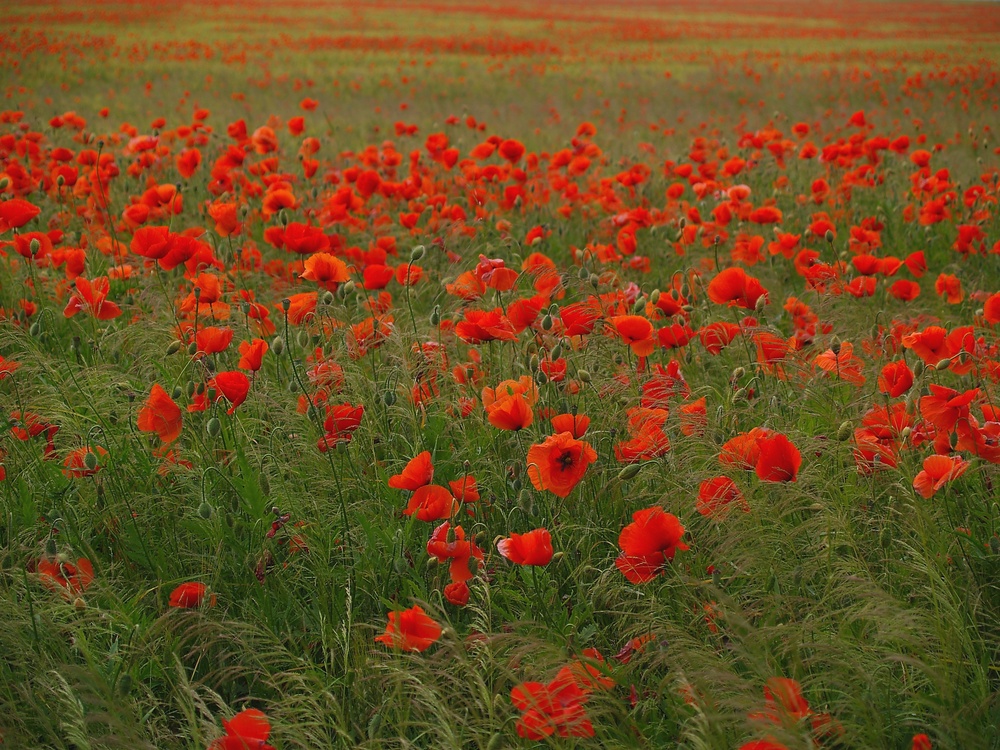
pixel 248 730
pixel 779 459
pixel 734 286
pixel 410 630
pixel 650 541
pixel 533 548
pixel 418 472
pixel 553 707
pixel 559 463
pixel 717 496
pixel 234 385
pixel 66 576
pixel 937 472
pixel 160 415
pixel 191 596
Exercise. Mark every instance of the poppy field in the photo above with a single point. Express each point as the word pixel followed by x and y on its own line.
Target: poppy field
pixel 438 374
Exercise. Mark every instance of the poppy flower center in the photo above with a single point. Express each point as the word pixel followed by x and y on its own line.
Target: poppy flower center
pixel 565 460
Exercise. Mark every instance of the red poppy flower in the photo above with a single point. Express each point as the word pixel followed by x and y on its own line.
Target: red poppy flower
pixel 465 490
pixel 418 472
pixel 779 459
pixel 191 595
pixel 652 539
pixel 326 270
pixel 575 424
pixel 248 730
pixel 15 213
pixel 252 354
pixel 637 332
pixel 212 339
pixel 895 379
pixel 450 544
pixel 160 415
pixel 717 496
pixel 432 502
pixel 937 472
pixel 551 708
pixel 734 286
pixel 510 413
pixel 559 463
pixel 532 548
pixel 410 630
pixel 945 406
pixel 92 296
pixel 75 464
pixel 65 576
pixel 151 242
pixel 233 385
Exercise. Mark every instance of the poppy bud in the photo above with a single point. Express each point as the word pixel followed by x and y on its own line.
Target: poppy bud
pixel 283 217
pixel 50 547
pixel 844 431
pixel 303 339
pixel 595 280
pixel 90 460
pixel 175 346
pixel 629 471
pixel 213 427
pixel 918 368
pixel 759 305
pixel 205 510
pixel 328 297
pixel 547 323
pixel 417 253
pixel 277 345
pixel 943 364
pixel 639 306
pixel 349 287
pixel 35 330
pixel 79 603
pixel 829 236
pixel 36 247
pixel 584 376
pixel 176 393
pixel 192 348
pixel 541 378
pixel 556 352
pixel 905 433
pixel 436 316
pixel 583 274
pixel 389 398
pixel 682 223
pixel 654 296
pixel 4 183
pixel 533 363
pixel 524 501
pixel 738 373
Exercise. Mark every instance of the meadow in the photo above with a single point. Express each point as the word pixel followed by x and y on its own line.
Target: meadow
pixel 438 374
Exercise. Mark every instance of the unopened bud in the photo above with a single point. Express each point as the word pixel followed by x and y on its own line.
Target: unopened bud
pixel 277 345
pixel 35 329
pixel 595 280
pixel 547 323
pixel 90 460
pixel 436 316
pixel 389 398
pixel 943 364
pixel 533 363
pixel 654 296
pixel 176 392
pixel 844 431
pixel 328 297
pixel 213 427
pixel 283 217
pixel 303 339
pixel 738 373
pixel 829 236
pixel 759 305
pixel 349 287
pixel 205 510
pixel 541 378
pixel 739 395
pixel 629 472
pixel 918 368
pixel 584 376
pixel 50 547
pixel 36 246
pixel 417 253
pixel 175 346
pixel 556 352
pixel 192 348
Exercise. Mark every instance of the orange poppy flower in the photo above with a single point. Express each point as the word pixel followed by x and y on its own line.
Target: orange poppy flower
pixel 248 729
pixel 734 286
pixel 233 385
pixel 326 270
pixel 191 595
pixel 432 502
pixel 532 548
pixel 652 539
pixel 510 413
pixel 575 424
pixel 418 472
pixel 637 332
pixel 717 496
pixel 252 354
pixel 92 296
pixel 779 459
pixel 843 364
pixel 895 379
pixel 937 472
pixel 410 630
pixel 212 339
pixel 65 576
pixel 559 463
pixel 160 415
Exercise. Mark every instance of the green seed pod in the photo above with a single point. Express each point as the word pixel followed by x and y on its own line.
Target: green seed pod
pixel 436 316
pixel 328 297
pixel 90 460
pixel 389 398
pixel 629 472
pixel 556 352
pixel 584 376
pixel 417 253
pixel 845 431
pixel 517 484
pixel 175 346
pixel 277 345
pixel 213 427
pixel 205 510
pixel 192 348
pixel 547 323
pixel 35 330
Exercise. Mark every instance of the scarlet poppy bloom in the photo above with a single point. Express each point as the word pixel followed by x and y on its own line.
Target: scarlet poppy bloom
pixel 151 242
pixel 931 344
pixel 843 364
pixel 7 367
pixel 559 463
pixel 779 459
pixel 717 496
pixel 480 326
pixel 191 595
pixel 949 287
pixel 945 406
pixel 717 336
pixel 637 332
pixel 160 415
pixel 921 742
pixel 15 213
pixel 248 730
pixel 510 413
pixel 575 424
pixel 213 339
pixel 410 630
pixel 342 420
pixel 326 270
pixel 743 450
pixel 650 541
pixel 895 379
pixel 233 385
pixel 432 502
pixel 252 354
pixel 734 286
pixel 450 544
pixel 418 472
pixel 75 464
pixel 905 290
pixel 225 217
pixel 533 548
pixel 551 708
pixel 65 576
pixel 694 417
pixel 92 296
pixel 465 490
pixel 937 472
